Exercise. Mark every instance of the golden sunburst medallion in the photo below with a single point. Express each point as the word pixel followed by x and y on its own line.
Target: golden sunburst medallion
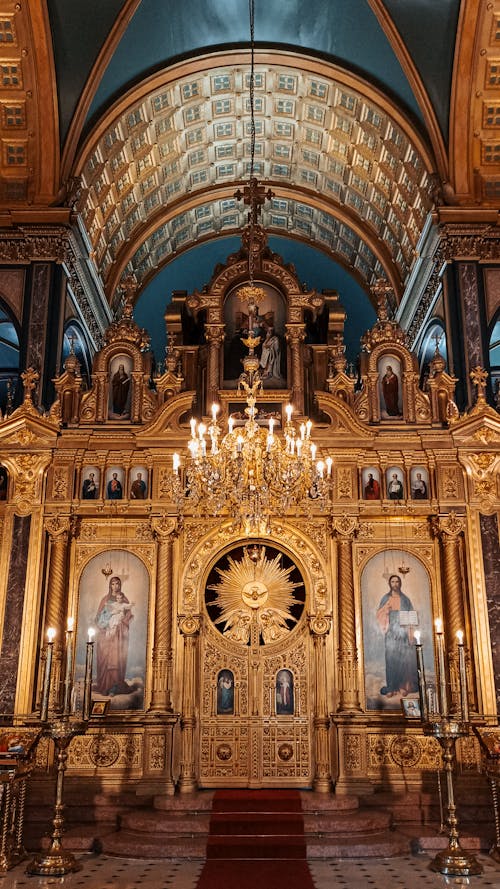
pixel 256 590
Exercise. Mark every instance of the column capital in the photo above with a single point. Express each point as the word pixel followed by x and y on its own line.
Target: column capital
pixel 58 527
pixel 319 624
pixel 295 334
pixel 448 527
pixel 164 527
pixel 345 527
pixel 189 624
pixel 215 334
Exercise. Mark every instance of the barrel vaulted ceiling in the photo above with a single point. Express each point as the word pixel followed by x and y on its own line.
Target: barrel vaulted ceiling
pixel 365 113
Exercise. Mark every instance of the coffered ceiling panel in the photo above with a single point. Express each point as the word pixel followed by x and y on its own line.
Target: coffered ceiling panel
pixel 347 171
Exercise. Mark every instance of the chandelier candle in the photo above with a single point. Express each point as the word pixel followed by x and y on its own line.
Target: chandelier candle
pixel 46 678
pixel 464 697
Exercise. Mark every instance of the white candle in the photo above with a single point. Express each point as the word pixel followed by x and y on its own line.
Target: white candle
pixel 215 408
pixel 46 677
pixel 87 685
pixel 230 424
pixel 464 697
pixel 320 466
pixel 239 443
pixel 302 431
pixel 68 675
pixel 443 698
pixel 288 411
pixel 308 428
pixel 329 463
pixel 313 452
pixel 192 423
pixel 201 430
pixel 271 425
pixel 422 690
pixel 176 462
pixel 299 447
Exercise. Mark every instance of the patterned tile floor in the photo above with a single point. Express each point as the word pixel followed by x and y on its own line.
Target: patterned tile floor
pixel 100 872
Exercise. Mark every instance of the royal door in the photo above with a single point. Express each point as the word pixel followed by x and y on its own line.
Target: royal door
pixel 256 673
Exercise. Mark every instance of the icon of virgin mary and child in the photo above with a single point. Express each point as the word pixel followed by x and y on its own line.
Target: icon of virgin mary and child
pixel 113 618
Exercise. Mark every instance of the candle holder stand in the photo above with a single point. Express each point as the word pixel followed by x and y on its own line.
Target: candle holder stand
pixel 56 862
pixel 452 861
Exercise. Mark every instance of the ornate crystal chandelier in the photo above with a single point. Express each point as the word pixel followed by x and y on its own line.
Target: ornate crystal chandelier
pixel 248 472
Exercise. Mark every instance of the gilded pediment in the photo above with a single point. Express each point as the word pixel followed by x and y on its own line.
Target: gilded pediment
pixel 481 426
pixel 341 420
pixel 27 428
pixel 172 417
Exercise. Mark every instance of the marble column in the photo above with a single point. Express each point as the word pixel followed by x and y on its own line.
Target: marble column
pixel 161 696
pixel 189 626
pixel 58 529
pixel 344 529
pixel 214 334
pixel 295 336
pixel 449 530
pixel 319 626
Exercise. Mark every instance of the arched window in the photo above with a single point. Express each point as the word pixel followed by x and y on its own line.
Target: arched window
pixel 494 349
pixel 435 334
pixel 9 359
pixel 73 334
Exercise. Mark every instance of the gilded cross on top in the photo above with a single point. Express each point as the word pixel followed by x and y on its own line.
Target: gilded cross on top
pixel 479 376
pixel 30 378
pixel 255 196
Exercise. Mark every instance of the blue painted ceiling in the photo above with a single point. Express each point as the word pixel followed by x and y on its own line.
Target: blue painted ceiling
pixel 346 32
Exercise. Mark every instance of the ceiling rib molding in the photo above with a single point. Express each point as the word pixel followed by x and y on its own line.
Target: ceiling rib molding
pixel 417 85
pixel 46 177
pixel 300 195
pixel 77 123
pixel 462 100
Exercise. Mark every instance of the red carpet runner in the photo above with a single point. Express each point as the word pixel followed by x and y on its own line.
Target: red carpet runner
pixel 256 840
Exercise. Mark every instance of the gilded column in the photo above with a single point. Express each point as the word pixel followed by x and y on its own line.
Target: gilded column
pixel 319 626
pixel 58 529
pixel 345 528
pixel 161 696
pixel 449 531
pixel 295 336
pixel 214 334
pixel 189 626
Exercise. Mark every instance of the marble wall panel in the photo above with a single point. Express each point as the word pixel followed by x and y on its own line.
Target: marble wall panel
pixel 491 560
pixel 11 638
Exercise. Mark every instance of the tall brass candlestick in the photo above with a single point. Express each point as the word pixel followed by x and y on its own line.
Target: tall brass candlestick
pixel 87 687
pixel 68 676
pixel 422 690
pixel 46 677
pixel 443 698
pixel 464 697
